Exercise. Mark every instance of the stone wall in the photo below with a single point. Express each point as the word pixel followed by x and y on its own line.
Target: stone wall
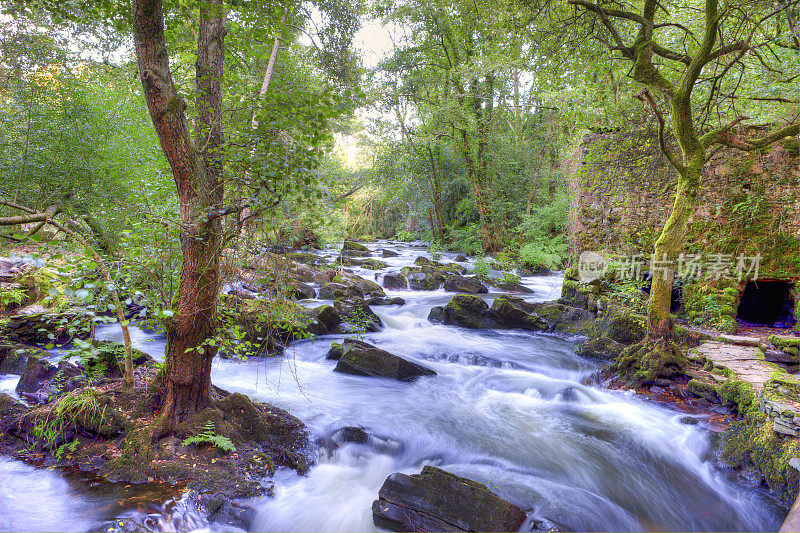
pixel 749 203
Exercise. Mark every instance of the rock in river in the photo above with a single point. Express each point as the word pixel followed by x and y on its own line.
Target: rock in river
pixel 436 500
pixel 465 311
pixel 362 359
pixel 395 281
pixel 464 285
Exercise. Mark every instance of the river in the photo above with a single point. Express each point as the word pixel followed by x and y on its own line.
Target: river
pixel 507 409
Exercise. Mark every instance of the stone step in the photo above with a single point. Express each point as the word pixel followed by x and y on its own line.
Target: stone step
pixel 740 340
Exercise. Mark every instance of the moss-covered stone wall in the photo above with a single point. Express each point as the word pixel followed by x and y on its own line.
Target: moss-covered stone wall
pixel 749 202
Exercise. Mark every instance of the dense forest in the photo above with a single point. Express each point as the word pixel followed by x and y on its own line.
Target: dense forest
pixel 413 266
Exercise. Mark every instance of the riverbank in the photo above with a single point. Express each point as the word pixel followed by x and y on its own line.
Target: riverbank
pixel 514 409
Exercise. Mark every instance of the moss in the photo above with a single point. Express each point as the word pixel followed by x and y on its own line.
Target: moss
pixel 753 439
pixel 619 324
pixel 703 389
pixel 644 362
pixel 738 393
pixel 711 304
pixel 786 384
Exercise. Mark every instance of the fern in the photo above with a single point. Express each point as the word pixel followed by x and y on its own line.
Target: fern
pixel 209 437
pixel 12 297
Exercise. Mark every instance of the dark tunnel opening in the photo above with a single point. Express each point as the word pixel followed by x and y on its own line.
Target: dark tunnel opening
pixel 767 303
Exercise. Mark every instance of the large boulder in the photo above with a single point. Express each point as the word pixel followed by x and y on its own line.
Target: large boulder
pixel 512 286
pixel 516 313
pixel 14 357
pixel 424 278
pixel 386 301
pixel 369 288
pixel 338 348
pixel 561 318
pixel 395 281
pixel 109 356
pixel 339 291
pixel 307 258
pixel 352 245
pixel 620 325
pixel 357 316
pixel 11 411
pixel 355 253
pixel 328 316
pixel 362 359
pixel 424 261
pixel 466 311
pixel 301 291
pixel 36 374
pixel 464 285
pixel 371 264
pixel 436 500
pixel 41 380
pixel 600 348
pixel 388 253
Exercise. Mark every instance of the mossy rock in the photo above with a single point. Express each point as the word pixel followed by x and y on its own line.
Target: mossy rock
pixel 575 294
pixel 562 318
pixel 282 436
pixel 356 316
pixel 14 357
pixel 600 348
pixel 425 278
pixel 754 440
pixel 645 362
pixel 111 356
pixel 371 264
pixel 307 258
pixel 328 316
pixel 338 291
pixel 785 384
pixel 362 359
pixel 11 411
pixel 36 374
pixel 788 345
pixel 352 245
pixel 620 325
pixel 516 313
pixel 369 288
pixel 466 311
pixel 464 285
pixel 703 389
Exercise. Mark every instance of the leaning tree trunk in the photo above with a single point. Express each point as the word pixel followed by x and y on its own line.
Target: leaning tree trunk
pixel 198 181
pixel 660 324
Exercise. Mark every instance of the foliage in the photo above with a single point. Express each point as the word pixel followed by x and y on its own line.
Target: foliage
pixel 12 298
pixel 209 437
pixel 66 412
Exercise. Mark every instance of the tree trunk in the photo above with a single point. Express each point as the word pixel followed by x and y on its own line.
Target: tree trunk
pixel 667 247
pixel 197 175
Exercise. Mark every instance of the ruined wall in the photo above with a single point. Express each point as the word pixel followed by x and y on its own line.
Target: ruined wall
pixel 623 189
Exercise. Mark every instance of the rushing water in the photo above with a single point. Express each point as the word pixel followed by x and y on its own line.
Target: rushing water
pixel 507 409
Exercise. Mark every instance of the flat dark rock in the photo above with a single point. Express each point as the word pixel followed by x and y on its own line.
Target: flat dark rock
pixel 436 500
pixel 362 359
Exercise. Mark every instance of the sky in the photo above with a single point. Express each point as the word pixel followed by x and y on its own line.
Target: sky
pixel 373 41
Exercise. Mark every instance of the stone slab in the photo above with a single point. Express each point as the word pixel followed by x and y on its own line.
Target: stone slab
pixel 740 340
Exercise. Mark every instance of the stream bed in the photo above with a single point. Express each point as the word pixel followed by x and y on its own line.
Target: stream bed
pixel 508 409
